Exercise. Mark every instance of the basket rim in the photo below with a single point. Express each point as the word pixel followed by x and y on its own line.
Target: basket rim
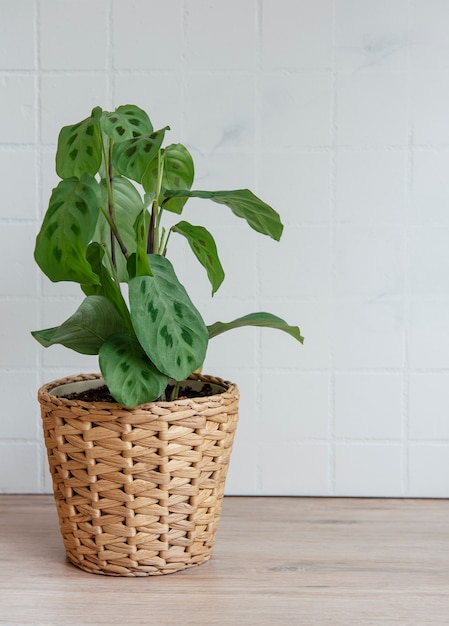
pixel 45 395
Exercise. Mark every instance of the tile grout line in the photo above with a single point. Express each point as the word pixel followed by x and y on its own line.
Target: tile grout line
pixel 256 164
pixel 406 308
pixel 39 211
pixel 332 463
pixel 110 75
pixel 184 68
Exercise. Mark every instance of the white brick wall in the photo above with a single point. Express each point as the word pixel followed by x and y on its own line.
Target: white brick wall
pixel 334 111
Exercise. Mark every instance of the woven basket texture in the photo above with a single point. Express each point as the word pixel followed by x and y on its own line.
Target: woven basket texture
pixel 139 491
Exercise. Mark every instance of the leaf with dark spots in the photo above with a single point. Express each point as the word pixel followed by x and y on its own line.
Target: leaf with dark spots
pixel 52 228
pixel 126 122
pixel 187 336
pixel 152 311
pixel 142 149
pixel 177 306
pixel 55 206
pixel 79 148
pixel 140 381
pixel 167 341
pixel 81 206
pixel 67 229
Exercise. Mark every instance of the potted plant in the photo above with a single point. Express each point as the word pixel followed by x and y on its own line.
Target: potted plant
pixel 138 454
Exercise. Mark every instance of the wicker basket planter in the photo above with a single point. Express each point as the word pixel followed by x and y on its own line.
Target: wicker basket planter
pixel 138 491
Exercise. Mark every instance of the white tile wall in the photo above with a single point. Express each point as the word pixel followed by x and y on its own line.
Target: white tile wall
pixel 335 112
pixel 303 98
pixel 372 35
pixel 146 34
pixel 296 34
pixel 17 35
pixel 83 17
pixel 358 473
pixel 17 122
pixel 371 108
pixel 228 43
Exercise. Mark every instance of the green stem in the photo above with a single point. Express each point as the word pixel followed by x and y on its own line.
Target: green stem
pixel 110 213
pixel 154 243
pixel 164 250
pixel 111 202
pixel 150 244
pixel 175 392
pixel 114 229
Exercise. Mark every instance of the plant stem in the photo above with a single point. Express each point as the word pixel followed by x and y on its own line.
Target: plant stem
pixel 150 245
pixel 154 244
pixel 111 202
pixel 113 228
pixel 110 213
pixel 175 392
pixel 164 250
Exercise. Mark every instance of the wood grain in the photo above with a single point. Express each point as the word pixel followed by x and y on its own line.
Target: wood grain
pixel 296 561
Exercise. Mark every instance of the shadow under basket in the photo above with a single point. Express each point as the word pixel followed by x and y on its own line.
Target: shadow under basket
pixel 138 491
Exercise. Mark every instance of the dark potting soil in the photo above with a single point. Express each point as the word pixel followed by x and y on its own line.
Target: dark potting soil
pixel 102 394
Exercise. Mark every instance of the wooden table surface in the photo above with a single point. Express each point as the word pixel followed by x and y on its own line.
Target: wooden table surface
pixel 296 561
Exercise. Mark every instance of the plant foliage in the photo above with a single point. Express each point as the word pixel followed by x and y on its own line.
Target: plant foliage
pixel 104 227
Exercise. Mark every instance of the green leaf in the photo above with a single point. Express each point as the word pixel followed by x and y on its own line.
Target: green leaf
pixel 108 286
pixel 87 329
pixel 129 374
pixel 132 157
pixel 178 173
pixel 67 229
pixel 79 148
pixel 243 203
pixel 128 206
pixel 205 250
pixel 140 264
pixel 167 325
pixel 266 320
pixel 126 122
